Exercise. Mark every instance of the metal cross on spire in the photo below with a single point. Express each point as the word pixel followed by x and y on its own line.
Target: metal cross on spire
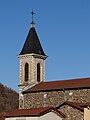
pixel 32 13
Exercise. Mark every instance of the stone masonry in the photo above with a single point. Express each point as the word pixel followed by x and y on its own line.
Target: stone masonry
pixel 55 98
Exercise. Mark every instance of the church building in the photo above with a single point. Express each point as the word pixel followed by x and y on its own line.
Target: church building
pixel 61 100
pixel 35 92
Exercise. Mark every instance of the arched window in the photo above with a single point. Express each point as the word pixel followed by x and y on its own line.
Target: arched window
pixel 38 72
pixel 26 71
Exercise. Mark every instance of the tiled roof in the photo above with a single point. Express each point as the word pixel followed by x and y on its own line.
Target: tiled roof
pixel 60 85
pixel 2 116
pixel 32 44
pixel 33 112
pixel 79 106
pixel 73 104
pixel 85 104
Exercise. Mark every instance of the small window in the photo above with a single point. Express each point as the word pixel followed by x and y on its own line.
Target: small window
pixel 38 72
pixel 26 71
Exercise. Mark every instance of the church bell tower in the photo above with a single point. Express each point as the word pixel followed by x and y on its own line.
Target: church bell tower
pixel 32 61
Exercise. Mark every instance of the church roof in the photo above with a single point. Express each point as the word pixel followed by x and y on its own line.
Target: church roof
pixel 32 112
pixel 60 85
pixel 32 44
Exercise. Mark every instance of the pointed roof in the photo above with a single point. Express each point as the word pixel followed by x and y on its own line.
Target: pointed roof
pixel 32 44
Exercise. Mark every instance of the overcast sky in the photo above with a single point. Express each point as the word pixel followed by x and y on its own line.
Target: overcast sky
pixel 63 27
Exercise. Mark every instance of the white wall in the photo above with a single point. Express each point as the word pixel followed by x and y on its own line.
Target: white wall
pixel 22 118
pixel 50 116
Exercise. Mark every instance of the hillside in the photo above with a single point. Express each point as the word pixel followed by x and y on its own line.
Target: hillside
pixel 8 99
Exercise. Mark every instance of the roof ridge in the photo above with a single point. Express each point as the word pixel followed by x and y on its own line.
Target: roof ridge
pixel 67 79
pixel 72 104
pixel 33 112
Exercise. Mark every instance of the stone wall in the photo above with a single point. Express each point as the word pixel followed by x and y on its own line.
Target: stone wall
pixel 72 113
pixel 55 98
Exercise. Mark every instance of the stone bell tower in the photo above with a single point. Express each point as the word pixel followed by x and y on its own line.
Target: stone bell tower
pixel 32 62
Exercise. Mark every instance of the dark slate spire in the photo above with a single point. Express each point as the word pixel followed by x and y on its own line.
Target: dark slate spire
pixel 32 43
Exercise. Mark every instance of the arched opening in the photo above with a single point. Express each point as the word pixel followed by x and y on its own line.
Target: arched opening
pixel 26 71
pixel 38 72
